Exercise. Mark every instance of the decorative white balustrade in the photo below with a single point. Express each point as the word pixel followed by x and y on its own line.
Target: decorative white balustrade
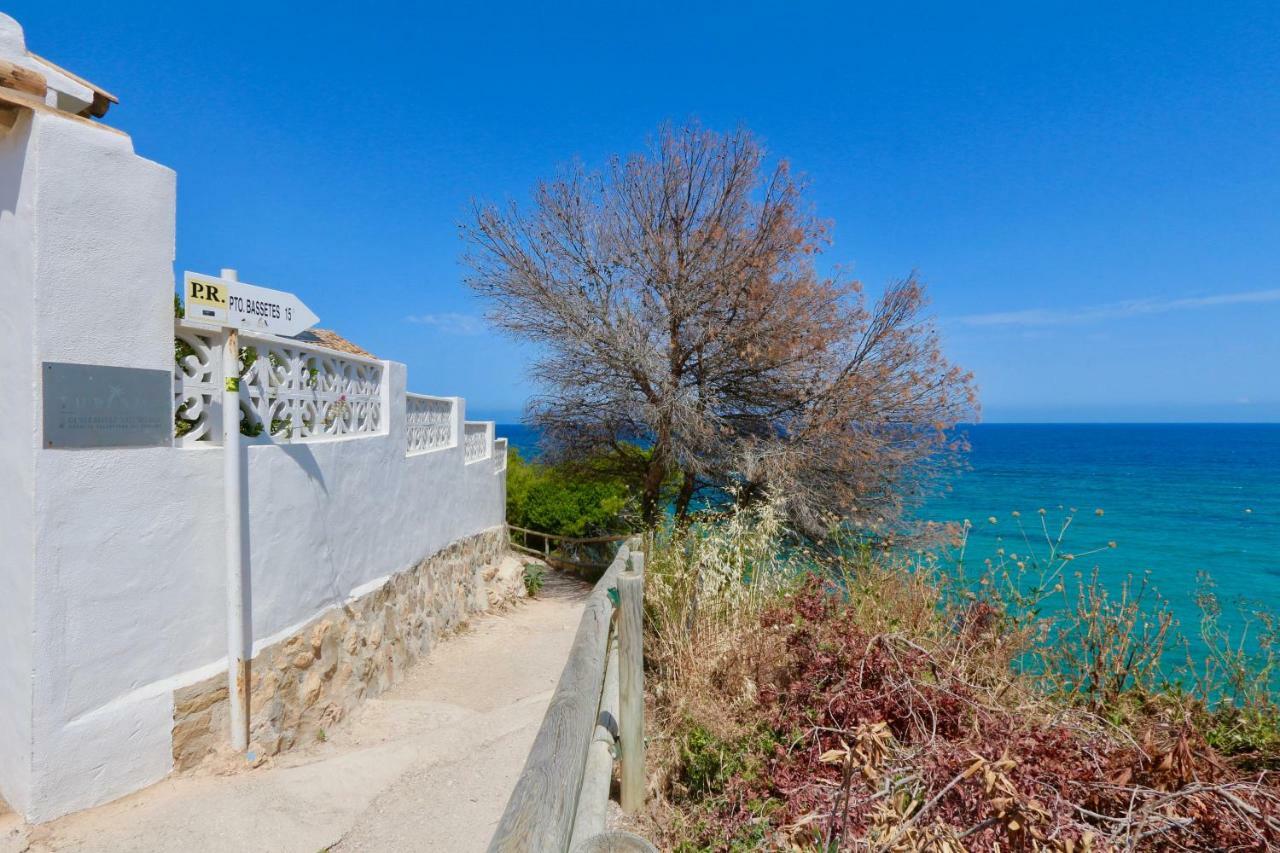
pixel 475 441
pixel 296 391
pixel 288 390
pixel 291 391
pixel 197 385
pixel 430 423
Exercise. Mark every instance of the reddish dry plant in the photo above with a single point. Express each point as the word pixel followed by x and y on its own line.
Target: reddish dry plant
pixel 886 745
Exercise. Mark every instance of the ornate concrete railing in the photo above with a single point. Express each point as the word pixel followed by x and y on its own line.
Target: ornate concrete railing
pixel 288 390
pixel 500 453
pixel 477 440
pixel 430 423
pixel 197 384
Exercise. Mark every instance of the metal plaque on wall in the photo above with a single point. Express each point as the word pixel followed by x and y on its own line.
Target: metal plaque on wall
pixel 89 405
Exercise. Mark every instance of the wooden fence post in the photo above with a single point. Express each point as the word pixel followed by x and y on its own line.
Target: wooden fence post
pixel 631 683
pixel 540 813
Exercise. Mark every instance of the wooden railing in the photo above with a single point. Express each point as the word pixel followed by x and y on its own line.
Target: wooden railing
pixel 596 713
pixel 540 544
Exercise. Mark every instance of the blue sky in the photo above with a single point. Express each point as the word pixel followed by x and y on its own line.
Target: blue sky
pixel 1091 192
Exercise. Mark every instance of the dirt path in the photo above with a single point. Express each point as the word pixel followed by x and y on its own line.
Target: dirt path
pixel 426 766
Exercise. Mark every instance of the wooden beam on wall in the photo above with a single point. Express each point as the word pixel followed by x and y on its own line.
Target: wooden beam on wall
pixel 22 79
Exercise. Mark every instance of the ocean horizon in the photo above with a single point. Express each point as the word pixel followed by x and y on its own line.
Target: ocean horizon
pixel 1178 499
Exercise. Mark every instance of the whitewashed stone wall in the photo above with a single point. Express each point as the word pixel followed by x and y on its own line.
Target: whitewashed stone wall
pixel 314 677
pixel 112 560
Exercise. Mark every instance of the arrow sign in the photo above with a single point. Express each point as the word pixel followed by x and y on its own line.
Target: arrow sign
pixel 244 306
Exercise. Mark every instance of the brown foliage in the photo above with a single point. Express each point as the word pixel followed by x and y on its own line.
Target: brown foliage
pixel 676 299
pixel 887 744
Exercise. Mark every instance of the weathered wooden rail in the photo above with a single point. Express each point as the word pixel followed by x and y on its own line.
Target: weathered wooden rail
pixel 596 713
pixel 546 550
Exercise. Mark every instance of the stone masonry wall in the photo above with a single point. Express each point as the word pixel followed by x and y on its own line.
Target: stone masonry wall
pixel 315 677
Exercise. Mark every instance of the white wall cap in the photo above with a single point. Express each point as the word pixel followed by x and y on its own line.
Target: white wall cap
pixel 12 45
pixel 65 93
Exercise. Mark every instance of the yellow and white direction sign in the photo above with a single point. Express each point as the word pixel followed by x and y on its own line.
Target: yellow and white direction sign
pixel 205 297
pixel 224 302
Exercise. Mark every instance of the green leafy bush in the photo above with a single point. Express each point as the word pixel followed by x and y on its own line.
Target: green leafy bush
pixel 534 578
pixel 710 761
pixel 554 499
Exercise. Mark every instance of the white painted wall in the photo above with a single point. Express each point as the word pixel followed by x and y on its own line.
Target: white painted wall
pixel 133 601
pixel 113 565
pixel 17 462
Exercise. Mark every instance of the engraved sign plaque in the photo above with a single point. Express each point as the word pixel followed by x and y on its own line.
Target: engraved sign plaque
pixel 88 405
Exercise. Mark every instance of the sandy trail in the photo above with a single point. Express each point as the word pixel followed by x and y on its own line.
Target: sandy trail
pixel 426 766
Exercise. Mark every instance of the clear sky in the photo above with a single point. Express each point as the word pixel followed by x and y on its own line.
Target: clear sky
pixel 1091 192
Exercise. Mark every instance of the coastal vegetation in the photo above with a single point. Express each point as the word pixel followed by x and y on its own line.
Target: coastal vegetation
pixel 869 698
pixel 822 673
pixel 567 500
pixel 535 578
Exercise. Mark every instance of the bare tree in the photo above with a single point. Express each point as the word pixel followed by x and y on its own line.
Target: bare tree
pixel 675 300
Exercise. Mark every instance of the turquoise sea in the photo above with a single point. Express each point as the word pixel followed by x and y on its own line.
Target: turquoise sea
pixel 1177 499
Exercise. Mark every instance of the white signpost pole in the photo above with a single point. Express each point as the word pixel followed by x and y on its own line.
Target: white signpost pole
pixel 239 630
pixel 228 302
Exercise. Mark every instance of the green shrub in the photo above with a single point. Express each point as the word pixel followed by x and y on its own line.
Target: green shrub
pixel 553 499
pixel 534 578
pixel 1251 734
pixel 708 764
pixel 709 761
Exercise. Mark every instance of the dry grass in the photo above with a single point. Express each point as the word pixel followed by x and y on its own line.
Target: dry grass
pixel 848 701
